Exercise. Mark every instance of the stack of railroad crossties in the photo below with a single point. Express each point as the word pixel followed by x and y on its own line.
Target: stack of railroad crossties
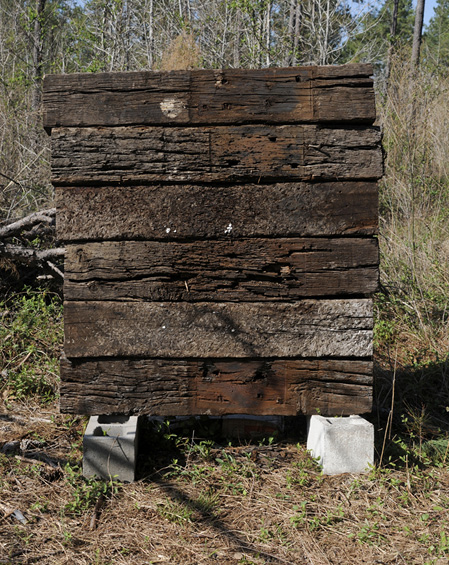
pixel 220 232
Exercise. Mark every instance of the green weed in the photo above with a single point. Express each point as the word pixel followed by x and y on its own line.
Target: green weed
pixel 86 492
pixel 300 516
pixel 369 533
pixel 207 502
pixel 31 337
pixel 175 512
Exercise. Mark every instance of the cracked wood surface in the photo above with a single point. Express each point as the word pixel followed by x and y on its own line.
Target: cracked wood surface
pixel 307 328
pixel 172 212
pixel 172 387
pixel 240 270
pixel 301 94
pixel 219 229
pixel 214 154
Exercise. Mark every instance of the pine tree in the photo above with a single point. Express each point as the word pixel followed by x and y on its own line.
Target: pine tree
pixel 379 38
pixel 436 39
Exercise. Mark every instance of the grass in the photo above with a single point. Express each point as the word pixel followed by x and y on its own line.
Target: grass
pixel 31 336
pixel 413 314
pixel 204 501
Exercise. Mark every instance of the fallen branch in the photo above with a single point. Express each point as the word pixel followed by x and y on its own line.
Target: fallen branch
pixel 11 180
pixel 55 269
pixel 29 256
pixel 41 459
pixel 96 512
pixel 44 216
pixel 49 470
pixel 24 255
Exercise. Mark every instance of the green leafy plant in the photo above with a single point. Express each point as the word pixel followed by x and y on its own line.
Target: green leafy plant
pixel 86 492
pixel 176 512
pixel 31 336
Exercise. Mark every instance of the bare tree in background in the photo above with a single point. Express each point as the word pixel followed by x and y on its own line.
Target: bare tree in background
pixel 393 32
pixel 37 56
pixel 417 33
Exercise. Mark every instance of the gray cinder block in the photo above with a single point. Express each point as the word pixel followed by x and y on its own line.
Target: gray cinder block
pixel 343 445
pixel 110 447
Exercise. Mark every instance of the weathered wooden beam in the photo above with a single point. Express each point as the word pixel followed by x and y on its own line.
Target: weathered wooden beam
pixel 172 212
pixel 210 97
pixel 307 328
pixel 239 270
pixel 208 154
pixel 163 387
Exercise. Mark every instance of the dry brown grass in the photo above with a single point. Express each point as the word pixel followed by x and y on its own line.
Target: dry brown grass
pixel 182 53
pixel 200 502
pixel 414 211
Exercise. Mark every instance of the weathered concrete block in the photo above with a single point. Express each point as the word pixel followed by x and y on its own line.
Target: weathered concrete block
pixel 343 445
pixel 110 447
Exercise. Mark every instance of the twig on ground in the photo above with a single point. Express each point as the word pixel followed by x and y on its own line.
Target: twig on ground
pixel 96 512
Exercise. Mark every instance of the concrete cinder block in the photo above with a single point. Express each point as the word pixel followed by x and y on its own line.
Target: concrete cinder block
pixel 343 445
pixel 110 447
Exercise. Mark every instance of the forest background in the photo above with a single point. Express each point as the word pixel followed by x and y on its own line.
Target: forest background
pixel 38 37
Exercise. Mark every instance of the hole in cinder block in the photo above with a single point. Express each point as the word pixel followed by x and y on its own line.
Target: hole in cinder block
pixel 113 419
pixel 98 432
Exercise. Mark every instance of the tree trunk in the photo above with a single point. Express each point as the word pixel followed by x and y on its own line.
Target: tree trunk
pixel 236 44
pixel 290 34
pixel 268 34
pixel 417 33
pixel 151 36
pixel 296 33
pixel 393 31
pixel 37 57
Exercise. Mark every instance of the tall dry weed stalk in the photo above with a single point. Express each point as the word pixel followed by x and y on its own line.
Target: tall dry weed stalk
pixel 414 203
pixel 182 53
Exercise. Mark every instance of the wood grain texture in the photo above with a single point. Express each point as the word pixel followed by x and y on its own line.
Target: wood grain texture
pixel 164 387
pixel 241 270
pixel 308 328
pixel 172 212
pixel 209 154
pixel 219 228
pixel 210 96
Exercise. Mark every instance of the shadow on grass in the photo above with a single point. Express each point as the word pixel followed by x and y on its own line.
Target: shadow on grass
pixel 164 456
pixel 411 410
pixel 211 519
pixel 410 416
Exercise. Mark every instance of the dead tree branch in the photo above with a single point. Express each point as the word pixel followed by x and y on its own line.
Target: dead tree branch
pixel 31 257
pixel 14 229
